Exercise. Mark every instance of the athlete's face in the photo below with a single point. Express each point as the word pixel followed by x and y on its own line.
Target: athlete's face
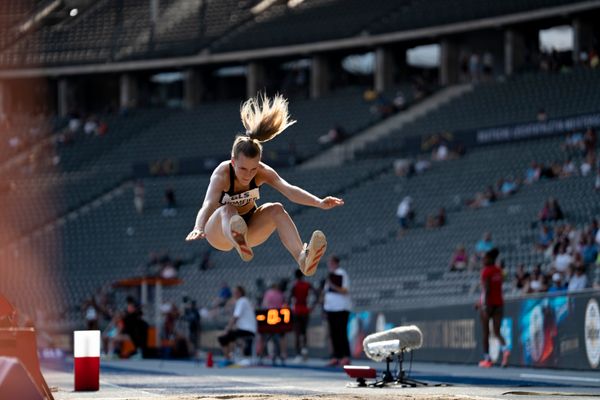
pixel 245 168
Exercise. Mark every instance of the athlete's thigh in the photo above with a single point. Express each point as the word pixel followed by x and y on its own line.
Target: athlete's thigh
pixel 214 232
pixel 261 225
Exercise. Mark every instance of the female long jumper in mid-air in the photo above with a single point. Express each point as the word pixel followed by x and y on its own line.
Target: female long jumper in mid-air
pixel 229 217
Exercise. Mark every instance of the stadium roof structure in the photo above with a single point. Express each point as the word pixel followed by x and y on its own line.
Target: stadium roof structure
pixel 119 36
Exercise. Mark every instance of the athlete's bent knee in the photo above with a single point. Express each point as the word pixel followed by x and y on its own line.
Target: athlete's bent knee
pixel 276 208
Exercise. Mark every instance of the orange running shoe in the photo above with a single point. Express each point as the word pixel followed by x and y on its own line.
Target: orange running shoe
pixel 486 364
pixel 311 254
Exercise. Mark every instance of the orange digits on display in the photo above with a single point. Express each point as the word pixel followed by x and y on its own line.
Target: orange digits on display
pixel 286 314
pixel 273 317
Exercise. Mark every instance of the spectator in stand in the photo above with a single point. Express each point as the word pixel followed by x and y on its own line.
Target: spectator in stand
pixel 573 143
pixel 223 296
pixel 509 186
pixel 551 211
pixel 588 250
pixel 568 169
pixel 436 220
pixel 597 180
pixel 488 65
pixel 589 141
pixel 403 167
pixel 558 284
pixel 74 122
pixel 588 164
pixel 594 59
pixel 382 107
pixel 102 128
pixel 482 246
pixel 521 279
pixel 563 259
pixel 474 67
pixel 478 201
pixel 170 209
pixel 113 336
pixel 138 196
pixel 422 164
pixel 205 261
pixel 546 172
pixel 541 115
pixel 578 281
pixel 90 126
pixel 405 214
pixel 538 282
pixel 91 310
pixel 459 259
pixel 490 195
pixel 545 238
pixel 441 152
pixel 168 270
pixel 399 101
pixel 335 135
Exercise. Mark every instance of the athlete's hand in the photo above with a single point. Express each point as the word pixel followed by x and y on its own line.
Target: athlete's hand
pixel 195 235
pixel 330 202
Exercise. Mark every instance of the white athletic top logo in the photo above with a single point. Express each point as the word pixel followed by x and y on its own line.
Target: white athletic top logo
pixel 241 199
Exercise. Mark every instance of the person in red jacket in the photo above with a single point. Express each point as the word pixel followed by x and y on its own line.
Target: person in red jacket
pixel 299 299
pixel 491 306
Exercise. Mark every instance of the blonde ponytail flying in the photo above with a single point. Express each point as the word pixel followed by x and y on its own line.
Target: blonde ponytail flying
pixel 264 118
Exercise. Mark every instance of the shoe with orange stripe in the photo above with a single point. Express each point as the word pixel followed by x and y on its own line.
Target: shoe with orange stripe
pixel 239 229
pixel 312 253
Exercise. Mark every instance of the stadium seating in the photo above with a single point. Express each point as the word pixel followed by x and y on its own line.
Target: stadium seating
pixel 110 241
pixel 515 101
pixel 355 17
pixel 81 226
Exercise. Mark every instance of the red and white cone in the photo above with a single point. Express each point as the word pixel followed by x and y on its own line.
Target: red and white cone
pixel 86 359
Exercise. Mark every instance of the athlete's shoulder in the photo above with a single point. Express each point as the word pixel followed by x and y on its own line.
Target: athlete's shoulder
pixel 222 170
pixel 221 173
pixel 262 166
pixel 265 174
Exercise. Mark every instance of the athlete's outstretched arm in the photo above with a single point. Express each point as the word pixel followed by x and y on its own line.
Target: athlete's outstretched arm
pixel 296 194
pixel 210 204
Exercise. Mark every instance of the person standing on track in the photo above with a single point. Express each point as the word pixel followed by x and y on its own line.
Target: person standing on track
pixel 491 307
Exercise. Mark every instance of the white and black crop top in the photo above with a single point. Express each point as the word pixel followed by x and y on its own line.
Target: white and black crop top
pixel 239 199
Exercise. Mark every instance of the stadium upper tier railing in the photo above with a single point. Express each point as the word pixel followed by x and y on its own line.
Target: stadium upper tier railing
pixel 114 30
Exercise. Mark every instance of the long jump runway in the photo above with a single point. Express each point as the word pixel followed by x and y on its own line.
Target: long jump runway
pixel 186 380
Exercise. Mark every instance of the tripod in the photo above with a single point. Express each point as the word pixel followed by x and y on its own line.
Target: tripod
pixel 402 378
